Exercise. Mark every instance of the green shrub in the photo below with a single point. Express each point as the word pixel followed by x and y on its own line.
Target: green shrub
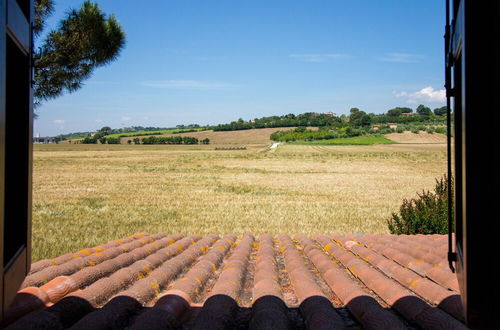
pixel 400 129
pixel 430 130
pixel 426 214
pixel 113 140
pixel 137 141
pixel 129 141
pixel 385 130
pixel 89 140
pixel 415 130
pixel 441 130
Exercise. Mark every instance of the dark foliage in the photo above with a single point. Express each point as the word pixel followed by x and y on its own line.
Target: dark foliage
pixel 290 120
pixel 84 40
pixel 426 214
pixel 169 140
pixel 423 110
pixel 89 140
pixel 440 111
pixel 113 140
pixel 303 134
pixel 43 10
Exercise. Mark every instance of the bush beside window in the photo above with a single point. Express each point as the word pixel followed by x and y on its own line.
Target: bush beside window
pixel 426 214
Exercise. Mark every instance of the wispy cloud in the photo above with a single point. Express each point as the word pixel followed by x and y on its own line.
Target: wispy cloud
pixel 317 58
pixel 125 118
pixel 426 94
pixel 401 58
pixel 58 121
pixel 187 84
pixel 99 120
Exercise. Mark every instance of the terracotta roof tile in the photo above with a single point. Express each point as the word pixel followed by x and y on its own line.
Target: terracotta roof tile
pixel 320 282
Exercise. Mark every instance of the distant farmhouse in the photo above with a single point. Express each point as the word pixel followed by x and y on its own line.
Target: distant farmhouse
pixel 376 127
pixel 46 139
pixel 331 114
pixel 408 114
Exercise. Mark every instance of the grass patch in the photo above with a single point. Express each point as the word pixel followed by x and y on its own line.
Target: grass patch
pixel 357 140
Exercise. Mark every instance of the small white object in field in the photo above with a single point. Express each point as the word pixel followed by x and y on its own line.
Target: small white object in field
pixel 275 145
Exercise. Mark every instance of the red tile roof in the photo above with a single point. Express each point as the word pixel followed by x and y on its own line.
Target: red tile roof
pixel 321 282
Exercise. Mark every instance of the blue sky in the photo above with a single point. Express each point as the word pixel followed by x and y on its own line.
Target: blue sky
pixel 210 62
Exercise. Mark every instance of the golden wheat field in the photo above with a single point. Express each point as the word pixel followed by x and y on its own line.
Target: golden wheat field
pixel 84 195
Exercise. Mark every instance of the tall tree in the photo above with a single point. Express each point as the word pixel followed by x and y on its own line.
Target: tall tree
pixel 423 110
pixel 83 41
pixel 440 111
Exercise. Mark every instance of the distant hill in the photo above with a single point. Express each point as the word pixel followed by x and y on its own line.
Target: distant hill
pixel 240 137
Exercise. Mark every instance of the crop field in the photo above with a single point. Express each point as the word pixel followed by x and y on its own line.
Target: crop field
pixel 84 195
pixel 422 137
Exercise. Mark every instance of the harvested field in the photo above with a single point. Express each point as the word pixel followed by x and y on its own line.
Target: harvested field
pixel 422 137
pixel 86 194
pixel 249 136
pixel 159 281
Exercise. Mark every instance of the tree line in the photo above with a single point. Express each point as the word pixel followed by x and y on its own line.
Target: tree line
pixel 171 140
pixel 146 140
pixel 356 118
pixel 346 131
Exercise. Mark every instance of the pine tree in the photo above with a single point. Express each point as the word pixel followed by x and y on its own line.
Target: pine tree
pixel 84 40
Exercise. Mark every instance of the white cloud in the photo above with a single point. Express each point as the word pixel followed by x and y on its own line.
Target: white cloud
pixel 125 118
pixel 316 58
pixel 186 84
pixel 401 58
pixel 426 94
pixel 400 94
pixel 58 121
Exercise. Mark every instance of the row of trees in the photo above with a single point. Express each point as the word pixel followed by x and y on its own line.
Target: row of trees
pixel 147 140
pixel 290 120
pixel 303 134
pixel 100 139
pixel 356 118
pixel 420 110
pixel 398 115
pixel 171 140
pixel 345 131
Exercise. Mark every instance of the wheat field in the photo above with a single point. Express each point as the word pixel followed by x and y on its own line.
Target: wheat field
pixel 84 195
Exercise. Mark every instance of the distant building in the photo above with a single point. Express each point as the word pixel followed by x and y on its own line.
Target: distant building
pixel 392 125
pixel 45 139
pixel 375 127
pixel 331 114
pixel 408 114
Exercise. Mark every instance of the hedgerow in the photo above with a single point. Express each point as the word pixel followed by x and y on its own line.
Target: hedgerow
pixel 172 140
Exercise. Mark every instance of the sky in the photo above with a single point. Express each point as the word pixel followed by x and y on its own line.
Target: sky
pixel 211 62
